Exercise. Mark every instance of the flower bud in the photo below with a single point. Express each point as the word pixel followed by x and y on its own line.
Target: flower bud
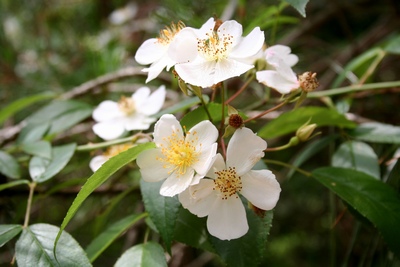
pixel 305 131
pixel 308 81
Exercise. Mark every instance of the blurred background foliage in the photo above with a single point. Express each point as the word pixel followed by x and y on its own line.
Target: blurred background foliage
pixel 56 45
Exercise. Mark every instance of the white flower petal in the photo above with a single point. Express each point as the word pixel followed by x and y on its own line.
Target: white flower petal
pixel 176 184
pixel 217 165
pixel 157 67
pixel 138 122
pixel 152 170
pixel 150 51
pixel 199 199
pixel 140 96
pixel 275 80
pixel 154 102
pixel 184 46
pixel 203 134
pixel 227 219
pixel 261 188
pixel 249 45
pixel 164 128
pixel 205 159
pixel 283 52
pixel 109 130
pixel 206 28
pixel 189 72
pixel 245 149
pixel 228 68
pixel 231 28
pixel 106 110
pixel 96 162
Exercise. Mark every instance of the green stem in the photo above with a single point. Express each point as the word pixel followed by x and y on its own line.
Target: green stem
pixel 205 106
pixel 381 54
pixel 92 146
pixel 354 88
pixel 29 204
pixel 276 162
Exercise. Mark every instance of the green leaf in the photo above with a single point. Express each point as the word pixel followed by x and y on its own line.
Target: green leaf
pixel 373 199
pixel 191 230
pixel 32 133
pixel 39 148
pixel 199 114
pixel 290 121
pixel 22 103
pixel 163 211
pixel 12 184
pixel 42 169
pixel 377 132
pixel 393 45
pixel 35 248
pixel 249 249
pixel 357 156
pixel 8 231
pixel 100 176
pixel 310 150
pixel 104 240
pixel 299 5
pixel 9 166
pixel 61 115
pixel 149 254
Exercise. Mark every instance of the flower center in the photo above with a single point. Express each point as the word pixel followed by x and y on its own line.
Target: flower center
pixel 228 182
pixel 167 34
pixel 115 150
pixel 127 105
pixel 216 47
pixel 180 154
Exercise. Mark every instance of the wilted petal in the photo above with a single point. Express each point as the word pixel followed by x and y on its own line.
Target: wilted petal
pixel 152 169
pixel 109 130
pixel 199 199
pixel 245 149
pixel 106 110
pixel 227 219
pixel 176 183
pixel 261 188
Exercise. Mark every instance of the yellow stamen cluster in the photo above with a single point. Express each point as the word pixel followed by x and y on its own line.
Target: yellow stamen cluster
pixel 116 149
pixel 228 182
pixel 167 34
pixel 216 47
pixel 127 105
pixel 180 154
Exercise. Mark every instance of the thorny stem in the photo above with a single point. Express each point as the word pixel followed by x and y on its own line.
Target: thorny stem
pixel 276 162
pixel 267 111
pixel 238 92
pixel 132 138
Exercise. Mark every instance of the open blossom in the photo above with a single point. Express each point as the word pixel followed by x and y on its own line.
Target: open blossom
pixel 130 113
pixel 280 76
pixel 218 197
pixel 212 54
pixel 181 159
pixel 154 51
